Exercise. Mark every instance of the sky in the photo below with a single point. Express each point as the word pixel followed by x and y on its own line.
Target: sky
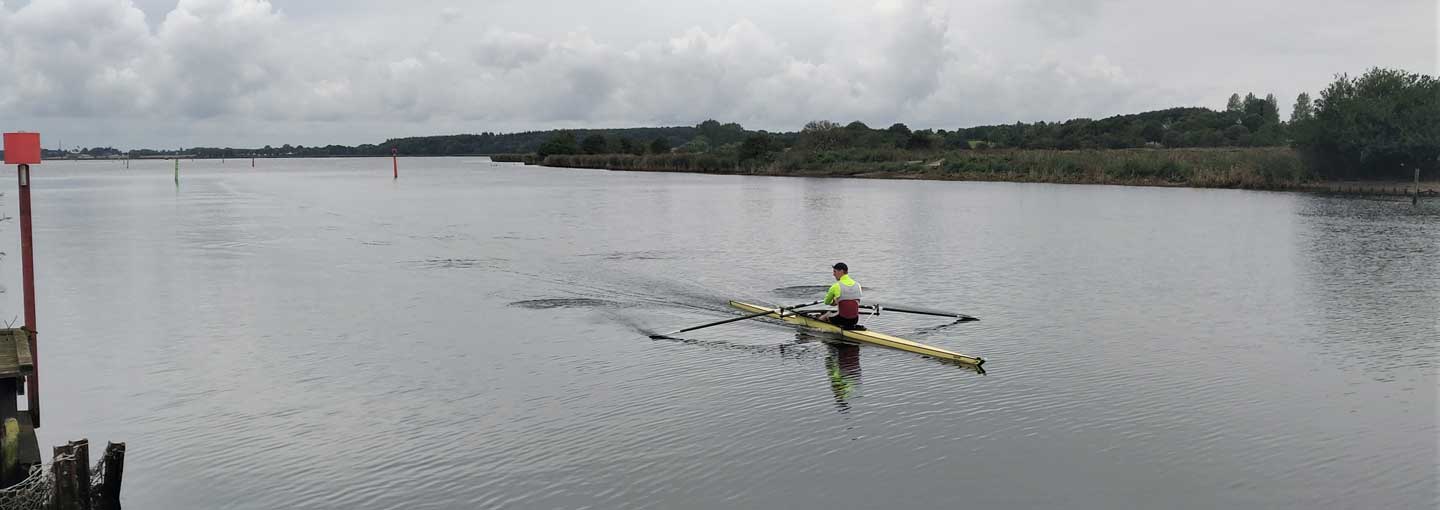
pixel 246 73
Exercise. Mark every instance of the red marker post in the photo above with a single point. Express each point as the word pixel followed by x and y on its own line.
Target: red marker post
pixel 23 149
pixel 395 160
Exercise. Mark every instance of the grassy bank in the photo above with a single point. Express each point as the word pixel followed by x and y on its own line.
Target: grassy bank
pixel 512 158
pixel 1249 168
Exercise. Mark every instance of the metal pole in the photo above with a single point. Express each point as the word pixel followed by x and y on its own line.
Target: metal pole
pixel 27 258
pixel 1415 200
pixel 395 161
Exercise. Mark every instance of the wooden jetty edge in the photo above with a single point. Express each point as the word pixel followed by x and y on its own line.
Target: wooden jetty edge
pixel 18 448
pixel 70 482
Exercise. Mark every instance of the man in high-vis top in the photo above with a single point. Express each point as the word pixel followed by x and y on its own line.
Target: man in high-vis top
pixel 844 295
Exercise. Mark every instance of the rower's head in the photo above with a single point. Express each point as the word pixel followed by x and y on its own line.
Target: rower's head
pixel 840 269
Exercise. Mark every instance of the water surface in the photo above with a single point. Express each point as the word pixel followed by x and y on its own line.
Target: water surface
pixel 314 334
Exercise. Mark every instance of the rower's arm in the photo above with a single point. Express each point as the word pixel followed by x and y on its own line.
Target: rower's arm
pixel 833 293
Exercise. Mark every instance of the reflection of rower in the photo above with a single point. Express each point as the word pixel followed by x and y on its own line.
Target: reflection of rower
pixel 843 365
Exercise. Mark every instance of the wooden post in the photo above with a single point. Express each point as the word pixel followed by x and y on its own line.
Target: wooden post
pixel 395 161
pixel 114 462
pixel 1415 200
pixel 81 451
pixel 68 493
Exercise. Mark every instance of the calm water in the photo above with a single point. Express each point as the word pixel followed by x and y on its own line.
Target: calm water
pixel 314 334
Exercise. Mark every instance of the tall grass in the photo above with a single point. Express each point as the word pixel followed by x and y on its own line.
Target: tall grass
pixel 510 158
pixel 702 163
pixel 1251 168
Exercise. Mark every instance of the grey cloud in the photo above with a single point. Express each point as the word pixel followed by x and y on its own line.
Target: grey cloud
pixel 1061 18
pixel 244 72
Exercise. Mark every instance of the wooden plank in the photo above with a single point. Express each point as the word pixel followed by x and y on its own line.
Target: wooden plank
pixel 23 359
pixel 9 355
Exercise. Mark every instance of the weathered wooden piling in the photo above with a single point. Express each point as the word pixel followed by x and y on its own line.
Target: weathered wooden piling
pixel 70 467
pixel 73 486
pixel 112 466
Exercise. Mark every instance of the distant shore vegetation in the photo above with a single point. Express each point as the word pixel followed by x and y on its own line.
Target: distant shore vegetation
pixel 1381 125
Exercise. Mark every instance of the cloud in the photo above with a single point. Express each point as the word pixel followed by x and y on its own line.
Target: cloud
pixel 245 72
pixel 1066 19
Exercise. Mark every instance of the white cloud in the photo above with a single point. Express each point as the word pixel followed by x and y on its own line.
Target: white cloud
pixel 244 72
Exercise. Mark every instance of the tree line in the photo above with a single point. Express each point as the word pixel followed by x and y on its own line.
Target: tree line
pixel 1382 124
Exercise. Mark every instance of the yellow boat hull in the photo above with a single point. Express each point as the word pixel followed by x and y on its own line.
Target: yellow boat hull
pixel 865 336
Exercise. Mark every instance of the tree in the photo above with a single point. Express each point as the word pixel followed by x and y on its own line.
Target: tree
pixel 857 126
pixel 899 129
pixel 755 147
pixel 919 140
pixel 1380 125
pixel 1255 113
pixel 1303 109
pixel 1234 105
pixel 699 144
pixel 560 143
pixel 593 144
pixel 1236 134
pixel 1152 132
pixel 823 135
pixel 660 145
pixel 628 146
pixel 1272 110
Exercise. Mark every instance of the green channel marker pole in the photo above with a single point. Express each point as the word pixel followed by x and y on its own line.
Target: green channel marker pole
pixel 177 170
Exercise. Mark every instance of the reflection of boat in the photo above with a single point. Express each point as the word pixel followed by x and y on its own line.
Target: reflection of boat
pixel 864 336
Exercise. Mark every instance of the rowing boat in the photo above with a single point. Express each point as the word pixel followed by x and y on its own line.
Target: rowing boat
pixel 863 335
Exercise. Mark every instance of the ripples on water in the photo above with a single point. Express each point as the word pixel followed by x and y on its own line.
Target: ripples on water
pixel 315 334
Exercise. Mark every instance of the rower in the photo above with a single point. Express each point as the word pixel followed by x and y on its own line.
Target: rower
pixel 844 294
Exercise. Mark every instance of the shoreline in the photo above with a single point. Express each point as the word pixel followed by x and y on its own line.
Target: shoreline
pixel 1271 169
pixel 924 171
pixel 1386 187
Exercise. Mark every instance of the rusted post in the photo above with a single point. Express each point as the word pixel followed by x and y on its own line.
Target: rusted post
pixel 108 497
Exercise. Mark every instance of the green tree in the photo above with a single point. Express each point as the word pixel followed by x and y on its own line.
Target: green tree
pixel 660 145
pixel 920 140
pixel 699 144
pixel 1380 125
pixel 1303 109
pixel 1153 132
pixel 628 146
pixel 899 129
pixel 562 142
pixel 756 147
pixel 1272 110
pixel 1234 105
pixel 593 144
pixel 823 135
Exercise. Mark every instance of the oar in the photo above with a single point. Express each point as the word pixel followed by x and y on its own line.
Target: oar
pixel 727 321
pixel 919 311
